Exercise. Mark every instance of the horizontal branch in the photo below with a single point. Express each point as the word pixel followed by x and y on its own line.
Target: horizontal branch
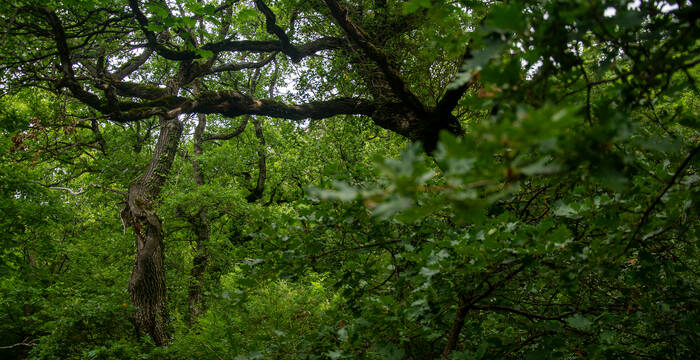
pixel 69 190
pixel 23 343
pixel 233 103
pixel 295 53
pixel 81 190
pixel 307 49
pixel 132 64
pixel 239 130
pixel 242 66
pixel 359 247
pixel 141 91
pixel 523 313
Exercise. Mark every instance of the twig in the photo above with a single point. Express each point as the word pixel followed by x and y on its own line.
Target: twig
pixel 657 200
pixel 526 314
pixel 71 191
pixel 335 251
pixel 116 191
pixel 467 304
pixel 23 343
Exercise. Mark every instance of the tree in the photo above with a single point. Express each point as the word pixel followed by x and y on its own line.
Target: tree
pixel 195 52
pixel 541 122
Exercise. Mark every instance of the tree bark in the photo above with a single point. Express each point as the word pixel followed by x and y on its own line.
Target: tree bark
pixel 455 329
pixel 147 282
pixel 257 192
pixel 199 266
pixel 201 227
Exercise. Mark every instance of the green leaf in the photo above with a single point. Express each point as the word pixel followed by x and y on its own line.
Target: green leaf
pixel 562 209
pixel 343 334
pixel 335 354
pixel 158 10
pixel 390 351
pixel 155 27
pixel 344 192
pixel 493 48
pixel 205 54
pixel 248 14
pixel 188 21
pixel 542 166
pixel 507 17
pixel 412 6
pixel 580 322
pixel 393 206
pixel 429 272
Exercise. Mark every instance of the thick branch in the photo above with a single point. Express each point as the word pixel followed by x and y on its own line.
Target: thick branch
pixel 239 130
pixel 132 65
pixel 59 35
pixel 466 304
pixel 274 29
pixel 141 91
pixel 307 49
pixel 358 37
pixel 451 97
pixel 233 103
pixel 66 65
pixel 230 45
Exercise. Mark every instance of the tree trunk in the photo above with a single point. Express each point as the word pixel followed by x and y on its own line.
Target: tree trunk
pixel 147 282
pixel 257 192
pixel 455 329
pixel 201 258
pixel 199 266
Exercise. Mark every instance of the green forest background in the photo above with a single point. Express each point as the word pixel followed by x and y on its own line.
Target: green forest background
pixel 287 179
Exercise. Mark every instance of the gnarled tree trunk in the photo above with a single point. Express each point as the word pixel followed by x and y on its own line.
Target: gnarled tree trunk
pixel 147 282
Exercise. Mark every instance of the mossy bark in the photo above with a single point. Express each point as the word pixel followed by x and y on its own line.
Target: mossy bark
pixel 147 283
